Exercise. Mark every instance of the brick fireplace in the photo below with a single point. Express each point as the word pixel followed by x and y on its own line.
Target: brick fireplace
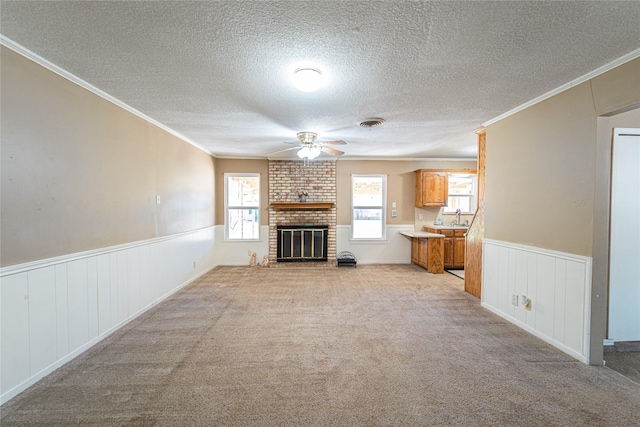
pixel 286 179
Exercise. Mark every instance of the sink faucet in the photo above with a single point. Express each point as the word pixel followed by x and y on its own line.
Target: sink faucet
pixel 458 216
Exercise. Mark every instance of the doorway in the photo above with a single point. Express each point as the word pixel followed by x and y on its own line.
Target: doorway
pixel 627 117
pixel 624 252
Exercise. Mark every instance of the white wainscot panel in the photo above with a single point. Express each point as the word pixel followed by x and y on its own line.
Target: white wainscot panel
pixel 238 252
pixel 395 249
pixel 103 264
pixel 77 297
pixel 62 311
pixel 42 318
pixel 14 329
pixel 557 283
pixel 55 309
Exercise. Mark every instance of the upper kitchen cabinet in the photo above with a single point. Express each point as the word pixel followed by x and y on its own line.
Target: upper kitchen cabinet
pixel 432 188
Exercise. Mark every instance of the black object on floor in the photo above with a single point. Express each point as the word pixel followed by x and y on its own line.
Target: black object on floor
pixel 346 258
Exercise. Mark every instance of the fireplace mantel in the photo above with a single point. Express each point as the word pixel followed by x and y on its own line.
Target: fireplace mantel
pixel 302 206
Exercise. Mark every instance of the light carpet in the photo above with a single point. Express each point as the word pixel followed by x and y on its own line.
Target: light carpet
pixel 373 346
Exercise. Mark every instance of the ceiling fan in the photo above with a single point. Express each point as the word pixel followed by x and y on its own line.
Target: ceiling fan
pixel 310 149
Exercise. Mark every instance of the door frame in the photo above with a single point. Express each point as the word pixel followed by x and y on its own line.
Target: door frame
pixel 625 117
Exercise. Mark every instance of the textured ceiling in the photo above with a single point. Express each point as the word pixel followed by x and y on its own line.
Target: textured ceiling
pixel 218 72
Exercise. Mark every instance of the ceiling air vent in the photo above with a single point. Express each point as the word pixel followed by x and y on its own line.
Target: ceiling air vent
pixel 370 123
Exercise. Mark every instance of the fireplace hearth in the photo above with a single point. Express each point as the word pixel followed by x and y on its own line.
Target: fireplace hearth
pixel 302 243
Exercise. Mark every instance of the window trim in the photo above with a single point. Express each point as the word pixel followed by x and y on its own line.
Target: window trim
pixel 227 207
pixel 383 207
pixel 473 197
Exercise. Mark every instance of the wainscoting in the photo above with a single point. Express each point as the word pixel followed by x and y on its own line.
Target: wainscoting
pixel 54 309
pixel 395 249
pixel 236 252
pixel 558 284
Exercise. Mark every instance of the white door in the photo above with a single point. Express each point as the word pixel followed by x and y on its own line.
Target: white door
pixel 624 263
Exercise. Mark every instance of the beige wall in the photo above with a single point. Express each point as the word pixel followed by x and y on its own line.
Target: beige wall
pixel 541 164
pixel 400 184
pixel 260 166
pixel 80 173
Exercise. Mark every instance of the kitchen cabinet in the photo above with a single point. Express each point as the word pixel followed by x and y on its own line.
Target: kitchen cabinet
pixel 458 248
pixel 414 250
pixel 432 188
pixel 453 246
pixel 427 253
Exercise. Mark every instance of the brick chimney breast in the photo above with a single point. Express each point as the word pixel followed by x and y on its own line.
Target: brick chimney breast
pixel 286 178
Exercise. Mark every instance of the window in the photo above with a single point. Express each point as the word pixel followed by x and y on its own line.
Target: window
pixel 242 206
pixel 368 194
pixel 462 193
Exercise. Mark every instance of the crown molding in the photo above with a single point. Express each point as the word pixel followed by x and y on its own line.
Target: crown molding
pixel 21 50
pixel 411 159
pixel 590 75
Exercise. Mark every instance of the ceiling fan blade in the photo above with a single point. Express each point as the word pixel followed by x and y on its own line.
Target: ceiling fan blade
pixel 281 151
pixel 332 151
pixel 339 142
pixel 292 142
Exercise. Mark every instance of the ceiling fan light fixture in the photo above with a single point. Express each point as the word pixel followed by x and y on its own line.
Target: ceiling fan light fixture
pixel 303 153
pixel 307 79
pixel 313 152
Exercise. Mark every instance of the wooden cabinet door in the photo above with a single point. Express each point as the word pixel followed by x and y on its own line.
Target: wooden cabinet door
pixel 423 252
pixel 414 250
pixel 458 252
pixel 448 252
pixel 435 188
pixel 432 188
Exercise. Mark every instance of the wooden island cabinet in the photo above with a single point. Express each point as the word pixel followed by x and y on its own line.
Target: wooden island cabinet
pixel 427 253
pixel 453 246
pixel 426 250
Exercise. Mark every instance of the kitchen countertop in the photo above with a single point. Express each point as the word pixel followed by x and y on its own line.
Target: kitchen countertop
pixel 421 234
pixel 448 227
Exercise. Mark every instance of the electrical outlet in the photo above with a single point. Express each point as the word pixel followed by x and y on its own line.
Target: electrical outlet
pixel 249 253
pixel 514 299
pixel 194 264
pixel 420 216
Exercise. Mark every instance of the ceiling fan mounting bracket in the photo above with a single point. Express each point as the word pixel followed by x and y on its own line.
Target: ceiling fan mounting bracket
pixel 307 137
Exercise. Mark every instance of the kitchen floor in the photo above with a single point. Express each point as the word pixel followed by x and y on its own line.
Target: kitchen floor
pixel 458 273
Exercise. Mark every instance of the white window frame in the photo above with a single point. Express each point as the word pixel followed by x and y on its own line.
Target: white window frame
pixel 473 201
pixel 383 207
pixel 227 207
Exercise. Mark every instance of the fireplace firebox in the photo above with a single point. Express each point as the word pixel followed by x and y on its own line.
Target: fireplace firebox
pixel 302 243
